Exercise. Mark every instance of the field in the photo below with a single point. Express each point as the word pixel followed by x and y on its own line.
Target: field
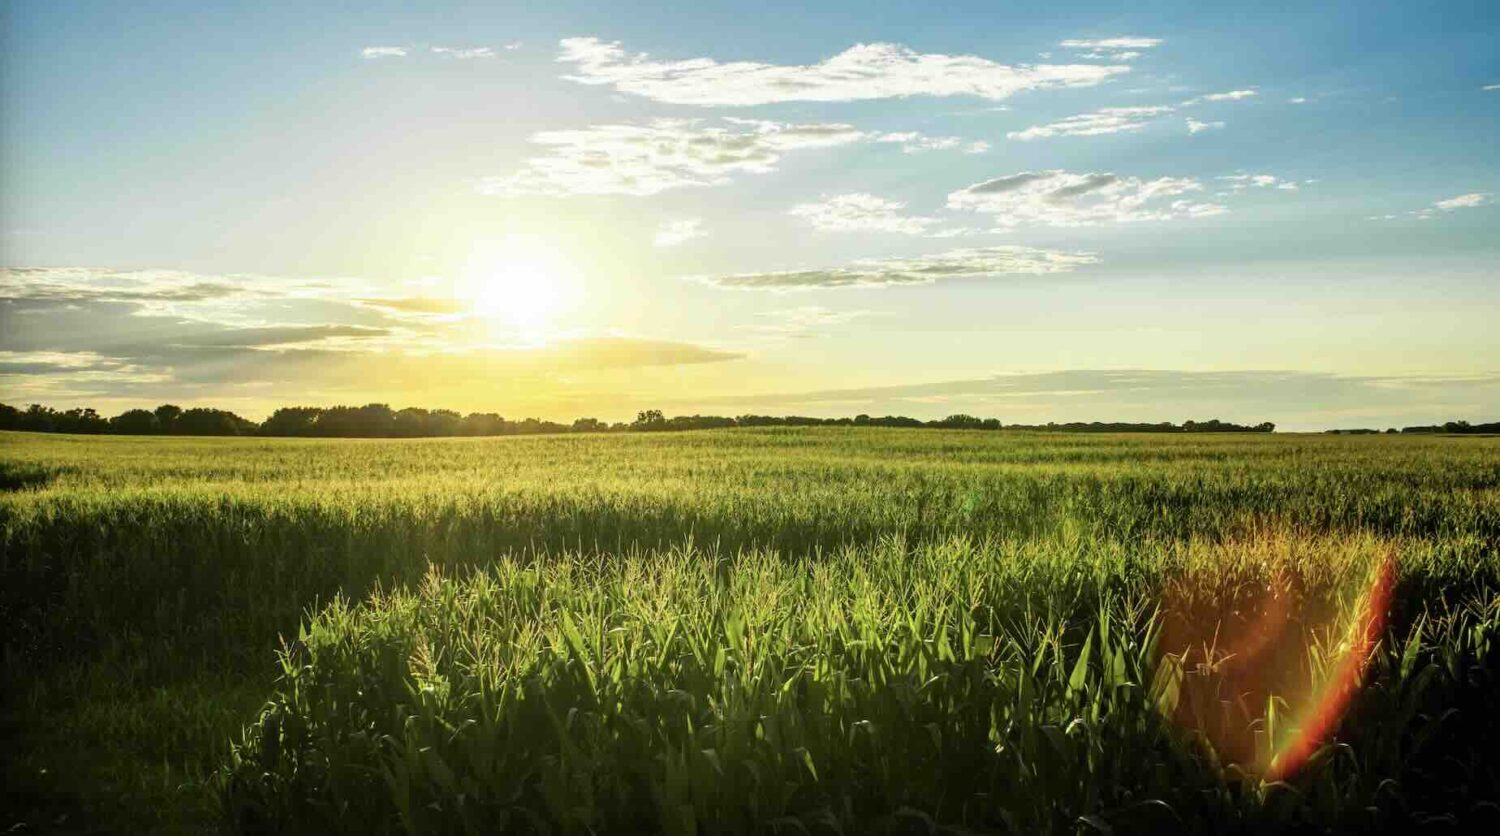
pixel 752 631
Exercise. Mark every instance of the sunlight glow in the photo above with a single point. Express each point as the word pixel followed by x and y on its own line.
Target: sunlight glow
pixel 520 283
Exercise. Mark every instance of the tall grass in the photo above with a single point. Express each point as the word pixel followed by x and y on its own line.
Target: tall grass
pixel 777 630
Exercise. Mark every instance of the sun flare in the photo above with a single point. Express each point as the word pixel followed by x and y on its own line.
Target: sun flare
pixel 518 283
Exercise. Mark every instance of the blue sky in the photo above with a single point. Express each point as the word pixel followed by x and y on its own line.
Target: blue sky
pixel 1278 212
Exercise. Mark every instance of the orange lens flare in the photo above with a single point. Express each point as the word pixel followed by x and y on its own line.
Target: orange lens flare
pixel 1265 673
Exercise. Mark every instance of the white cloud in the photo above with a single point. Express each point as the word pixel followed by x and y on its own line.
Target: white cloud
pixel 864 71
pixel 1194 126
pixel 1488 87
pixel 861 212
pixel 664 154
pixel 1240 182
pixel 672 233
pixel 1230 96
pixel 1111 43
pixel 1109 120
pixel 460 52
pixel 1111 49
pixel 383 52
pixel 1463 201
pixel 1298 100
pixel 912 142
pixel 675 153
pixel 1471 200
pixel 918 270
pixel 1062 198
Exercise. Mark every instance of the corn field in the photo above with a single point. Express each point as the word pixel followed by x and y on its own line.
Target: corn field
pixel 822 630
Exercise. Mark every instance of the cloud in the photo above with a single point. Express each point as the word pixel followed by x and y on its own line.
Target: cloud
pixel 1111 49
pixel 1111 43
pixel 862 72
pixel 384 52
pixel 1230 96
pixel 461 52
pixel 918 270
pixel 1472 200
pixel 640 160
pixel 1109 120
pixel 1062 198
pixel 1463 201
pixel 1292 399
pixel 1489 87
pixel 860 212
pixel 417 305
pixel 672 233
pixel 1240 182
pixel 1298 100
pixel 1114 120
pixel 912 142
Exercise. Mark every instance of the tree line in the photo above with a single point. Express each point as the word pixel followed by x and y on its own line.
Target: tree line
pixel 381 421
pixel 1449 428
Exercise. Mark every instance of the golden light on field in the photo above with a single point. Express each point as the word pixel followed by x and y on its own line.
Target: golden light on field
pixel 520 283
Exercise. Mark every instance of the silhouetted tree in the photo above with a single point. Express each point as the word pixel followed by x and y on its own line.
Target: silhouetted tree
pixel 135 422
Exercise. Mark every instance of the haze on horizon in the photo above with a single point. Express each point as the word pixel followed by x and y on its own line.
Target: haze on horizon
pixel 1066 213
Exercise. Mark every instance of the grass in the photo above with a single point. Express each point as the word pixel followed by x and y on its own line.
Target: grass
pixel 779 630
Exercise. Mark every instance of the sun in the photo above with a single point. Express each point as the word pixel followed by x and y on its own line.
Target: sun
pixel 519 283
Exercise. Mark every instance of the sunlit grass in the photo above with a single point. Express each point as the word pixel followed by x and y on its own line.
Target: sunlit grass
pixel 748 630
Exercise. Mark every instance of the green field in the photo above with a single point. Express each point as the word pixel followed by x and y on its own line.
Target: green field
pixel 751 631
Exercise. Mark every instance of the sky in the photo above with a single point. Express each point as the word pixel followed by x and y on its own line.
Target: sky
pixel 1034 212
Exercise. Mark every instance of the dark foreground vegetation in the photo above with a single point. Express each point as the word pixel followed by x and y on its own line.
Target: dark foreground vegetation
pixel 762 630
pixel 380 421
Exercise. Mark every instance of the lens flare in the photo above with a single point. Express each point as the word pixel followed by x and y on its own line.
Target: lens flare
pixel 1264 673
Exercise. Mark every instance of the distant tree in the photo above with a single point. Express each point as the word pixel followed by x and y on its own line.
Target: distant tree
pixel 203 421
pixel 292 420
pixel 443 422
pixel 482 423
pixel 409 423
pixel 135 422
pixel 649 419
pixel 10 417
pixel 589 425
pixel 166 417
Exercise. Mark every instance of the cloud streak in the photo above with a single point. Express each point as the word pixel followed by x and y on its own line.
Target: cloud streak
pixel 862 72
pixel 1063 198
pixel 645 159
pixel 918 270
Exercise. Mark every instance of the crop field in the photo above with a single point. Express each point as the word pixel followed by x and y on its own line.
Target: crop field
pixel 743 631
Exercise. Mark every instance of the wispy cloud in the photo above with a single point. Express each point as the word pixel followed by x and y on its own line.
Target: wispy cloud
pixel 1229 96
pixel 465 52
pixel 640 160
pixel 384 52
pixel 864 71
pixel 1463 201
pixel 1490 87
pixel 1109 120
pixel 1063 198
pixel 1298 399
pixel 1117 120
pixel 860 212
pixel 1472 200
pixel 672 233
pixel 1240 182
pixel 917 270
pixel 1111 49
pixel 913 142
